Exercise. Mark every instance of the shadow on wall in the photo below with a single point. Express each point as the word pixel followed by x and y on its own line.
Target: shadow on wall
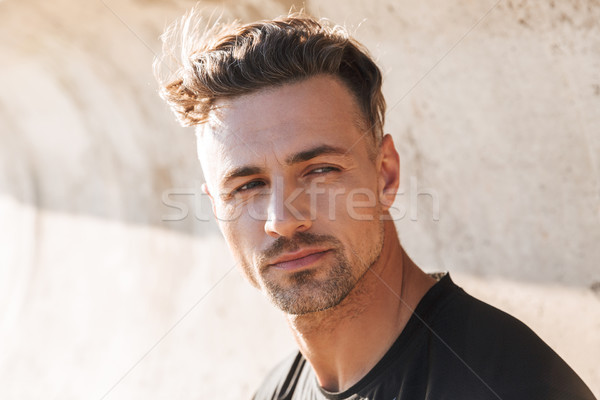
pixel 83 129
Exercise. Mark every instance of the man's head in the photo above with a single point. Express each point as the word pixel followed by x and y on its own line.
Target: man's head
pixel 299 182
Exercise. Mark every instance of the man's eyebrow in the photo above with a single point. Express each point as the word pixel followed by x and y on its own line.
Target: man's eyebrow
pixel 240 172
pixel 299 157
pixel 306 155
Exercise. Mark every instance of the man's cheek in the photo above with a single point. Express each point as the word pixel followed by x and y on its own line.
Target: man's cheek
pixel 328 204
pixel 361 204
pixel 227 212
pixel 238 242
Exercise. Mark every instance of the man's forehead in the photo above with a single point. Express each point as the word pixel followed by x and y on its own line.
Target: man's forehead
pixel 283 136
pixel 231 127
pixel 230 148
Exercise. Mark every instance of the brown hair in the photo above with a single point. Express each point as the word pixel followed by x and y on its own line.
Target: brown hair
pixel 228 60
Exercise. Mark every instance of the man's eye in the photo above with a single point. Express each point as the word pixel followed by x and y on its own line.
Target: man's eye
pixel 250 185
pixel 323 170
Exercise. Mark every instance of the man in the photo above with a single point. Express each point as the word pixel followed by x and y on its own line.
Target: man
pixel 289 117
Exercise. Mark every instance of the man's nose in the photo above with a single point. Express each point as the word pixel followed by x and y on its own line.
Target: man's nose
pixel 287 211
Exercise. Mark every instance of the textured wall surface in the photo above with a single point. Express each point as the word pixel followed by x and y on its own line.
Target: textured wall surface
pixel 106 292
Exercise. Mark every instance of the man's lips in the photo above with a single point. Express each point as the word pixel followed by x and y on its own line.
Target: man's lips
pixel 298 259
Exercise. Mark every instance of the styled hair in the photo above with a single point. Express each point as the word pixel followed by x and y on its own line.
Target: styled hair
pixel 225 60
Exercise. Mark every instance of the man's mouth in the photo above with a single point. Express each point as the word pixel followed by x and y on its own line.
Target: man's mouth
pixel 298 259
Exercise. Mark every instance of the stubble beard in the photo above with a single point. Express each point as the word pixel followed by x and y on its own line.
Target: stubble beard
pixel 305 292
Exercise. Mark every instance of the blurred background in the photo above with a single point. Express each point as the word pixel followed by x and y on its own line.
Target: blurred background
pixel 116 284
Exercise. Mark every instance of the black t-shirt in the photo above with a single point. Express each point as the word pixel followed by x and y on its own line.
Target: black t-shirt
pixel 453 347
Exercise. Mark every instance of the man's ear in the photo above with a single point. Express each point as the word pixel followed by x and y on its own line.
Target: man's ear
pixel 389 172
pixel 212 200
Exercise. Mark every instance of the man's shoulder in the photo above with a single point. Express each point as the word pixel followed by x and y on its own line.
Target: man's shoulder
pixel 280 382
pixel 457 313
pixel 499 349
pixel 481 331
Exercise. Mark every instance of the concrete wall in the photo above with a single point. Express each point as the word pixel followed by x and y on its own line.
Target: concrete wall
pixel 494 105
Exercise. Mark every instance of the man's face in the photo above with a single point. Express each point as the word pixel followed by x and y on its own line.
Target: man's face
pixel 296 190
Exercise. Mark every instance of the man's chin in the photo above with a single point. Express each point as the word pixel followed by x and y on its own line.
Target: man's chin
pixel 307 309
pixel 309 300
pixel 311 290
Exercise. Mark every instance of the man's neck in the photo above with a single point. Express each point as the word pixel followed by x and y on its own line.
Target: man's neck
pixel 344 343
